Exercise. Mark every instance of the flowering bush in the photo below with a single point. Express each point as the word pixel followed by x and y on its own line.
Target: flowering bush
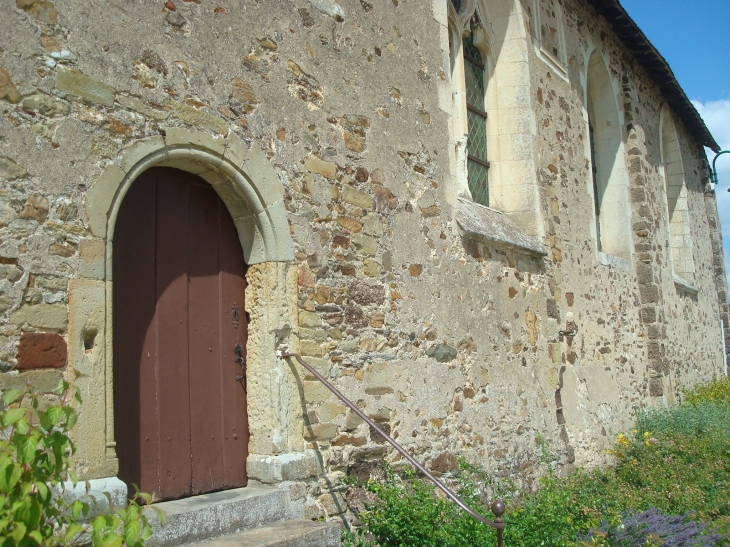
pixel 653 528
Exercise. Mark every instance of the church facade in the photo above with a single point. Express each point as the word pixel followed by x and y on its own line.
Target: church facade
pixel 485 221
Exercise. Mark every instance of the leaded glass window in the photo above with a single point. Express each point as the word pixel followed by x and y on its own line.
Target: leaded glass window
pixel 477 164
pixel 457 5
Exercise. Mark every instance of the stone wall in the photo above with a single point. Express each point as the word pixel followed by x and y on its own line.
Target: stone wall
pixel 457 345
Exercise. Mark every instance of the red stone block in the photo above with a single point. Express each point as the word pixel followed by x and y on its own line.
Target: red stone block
pixel 41 350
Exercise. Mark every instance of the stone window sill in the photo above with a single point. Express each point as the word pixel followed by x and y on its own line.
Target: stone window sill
pixel 485 224
pixel 614 261
pixel 684 286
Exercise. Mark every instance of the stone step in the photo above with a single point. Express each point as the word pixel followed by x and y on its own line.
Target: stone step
pixel 288 533
pixel 210 515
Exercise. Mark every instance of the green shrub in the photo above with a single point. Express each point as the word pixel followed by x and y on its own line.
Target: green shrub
pixel 717 391
pixel 701 418
pixel 677 462
pixel 35 452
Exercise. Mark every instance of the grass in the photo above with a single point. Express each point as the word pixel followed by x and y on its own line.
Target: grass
pixel 669 485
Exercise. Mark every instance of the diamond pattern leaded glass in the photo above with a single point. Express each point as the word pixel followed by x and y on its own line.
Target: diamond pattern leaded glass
pixel 477 123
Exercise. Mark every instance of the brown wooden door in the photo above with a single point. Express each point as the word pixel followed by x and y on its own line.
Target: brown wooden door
pixel 180 420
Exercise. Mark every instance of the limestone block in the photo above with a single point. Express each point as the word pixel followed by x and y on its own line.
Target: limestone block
pixel 197 118
pixel 334 503
pixel 376 374
pixel 259 170
pixel 371 224
pixel 45 105
pixel 309 319
pixel 236 150
pixel 329 411
pixel 329 7
pixel 325 168
pixel 94 492
pixel 140 150
pixel 87 350
pixel 44 381
pixel 356 197
pixel 10 170
pixel 41 316
pixel 365 245
pixel 320 432
pixel 92 258
pixel 316 392
pixel 179 136
pixel 135 104
pixel 74 82
pixel 284 467
pixel 99 198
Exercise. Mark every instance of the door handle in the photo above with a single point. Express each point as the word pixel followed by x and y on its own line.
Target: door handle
pixel 241 360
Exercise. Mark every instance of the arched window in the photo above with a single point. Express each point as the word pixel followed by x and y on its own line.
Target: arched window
pixel 672 170
pixel 609 184
pixel 469 73
pixel 476 148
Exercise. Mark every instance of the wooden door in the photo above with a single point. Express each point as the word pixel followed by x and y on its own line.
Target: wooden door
pixel 180 420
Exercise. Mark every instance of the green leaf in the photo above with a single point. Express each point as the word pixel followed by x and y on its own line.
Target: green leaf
pixel 44 420
pixel 11 395
pixel 19 532
pixel 42 490
pixel 9 477
pixel 54 413
pixel 27 448
pixel 112 540
pixel 131 531
pixel 73 530
pixel 71 416
pixel 161 516
pixel 22 426
pixel 13 416
pixel 36 535
pixel 61 387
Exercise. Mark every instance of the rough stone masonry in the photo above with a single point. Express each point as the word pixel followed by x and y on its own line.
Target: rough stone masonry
pixel 329 128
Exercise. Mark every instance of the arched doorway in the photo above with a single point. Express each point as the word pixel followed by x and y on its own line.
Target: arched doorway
pixel 180 423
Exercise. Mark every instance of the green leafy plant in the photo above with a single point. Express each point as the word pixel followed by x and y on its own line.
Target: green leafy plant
pixel 676 462
pixel 35 453
pixel 717 391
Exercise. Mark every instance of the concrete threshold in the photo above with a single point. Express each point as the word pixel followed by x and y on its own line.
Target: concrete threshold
pixel 289 533
pixel 210 515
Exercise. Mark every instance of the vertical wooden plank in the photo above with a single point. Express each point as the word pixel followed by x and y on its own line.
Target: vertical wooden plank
pixel 133 293
pixel 172 332
pixel 233 329
pixel 204 341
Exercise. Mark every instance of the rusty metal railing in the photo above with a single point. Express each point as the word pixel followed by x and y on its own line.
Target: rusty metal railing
pixel 497 507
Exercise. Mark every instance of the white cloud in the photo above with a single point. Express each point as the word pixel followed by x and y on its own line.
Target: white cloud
pixel 717 118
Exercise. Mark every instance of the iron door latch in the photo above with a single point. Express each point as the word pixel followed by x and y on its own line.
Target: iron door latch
pixel 241 360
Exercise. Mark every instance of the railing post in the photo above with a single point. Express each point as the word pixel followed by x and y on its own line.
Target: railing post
pixel 498 508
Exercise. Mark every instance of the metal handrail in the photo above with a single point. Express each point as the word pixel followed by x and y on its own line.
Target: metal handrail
pixel 498 507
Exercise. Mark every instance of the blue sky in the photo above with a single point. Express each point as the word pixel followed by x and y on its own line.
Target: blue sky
pixel 694 37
